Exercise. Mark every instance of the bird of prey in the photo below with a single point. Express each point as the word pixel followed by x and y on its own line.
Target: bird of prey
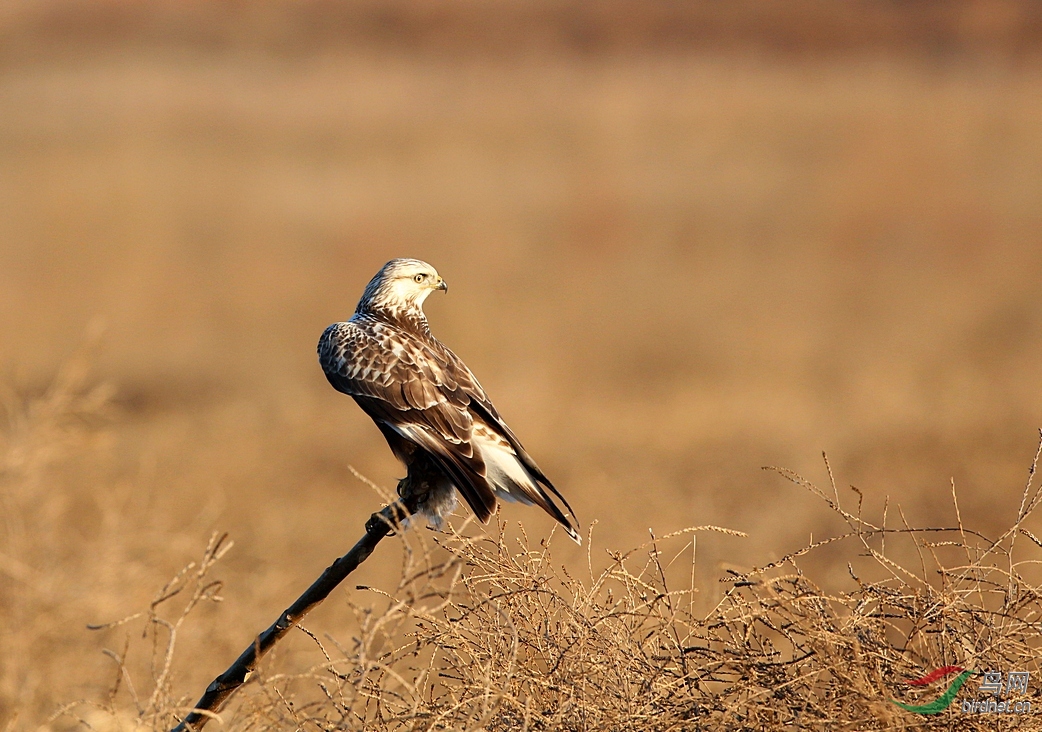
pixel 435 416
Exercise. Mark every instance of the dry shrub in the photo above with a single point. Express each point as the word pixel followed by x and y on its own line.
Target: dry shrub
pixel 486 632
pixel 40 592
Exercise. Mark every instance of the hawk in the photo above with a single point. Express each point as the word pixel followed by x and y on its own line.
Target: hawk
pixel 435 416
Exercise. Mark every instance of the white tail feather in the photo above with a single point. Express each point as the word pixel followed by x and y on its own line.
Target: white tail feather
pixel 505 472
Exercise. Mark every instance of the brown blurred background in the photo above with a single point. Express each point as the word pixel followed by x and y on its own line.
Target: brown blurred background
pixel 685 240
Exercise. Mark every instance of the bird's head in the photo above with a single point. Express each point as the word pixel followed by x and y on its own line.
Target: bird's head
pixel 401 286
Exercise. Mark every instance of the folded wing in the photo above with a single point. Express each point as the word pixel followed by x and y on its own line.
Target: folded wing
pixel 420 391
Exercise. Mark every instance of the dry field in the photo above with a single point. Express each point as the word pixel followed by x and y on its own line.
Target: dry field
pixel 682 245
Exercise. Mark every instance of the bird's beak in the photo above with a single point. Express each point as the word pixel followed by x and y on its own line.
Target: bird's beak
pixel 442 285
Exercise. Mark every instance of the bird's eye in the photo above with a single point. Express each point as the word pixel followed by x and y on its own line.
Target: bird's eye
pixel 419 277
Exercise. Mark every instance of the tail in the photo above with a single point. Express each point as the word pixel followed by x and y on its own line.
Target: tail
pixel 515 479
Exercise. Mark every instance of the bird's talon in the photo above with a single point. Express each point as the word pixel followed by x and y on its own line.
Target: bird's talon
pixel 376 521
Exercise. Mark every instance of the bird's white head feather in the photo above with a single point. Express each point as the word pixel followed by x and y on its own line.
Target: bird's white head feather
pixel 400 287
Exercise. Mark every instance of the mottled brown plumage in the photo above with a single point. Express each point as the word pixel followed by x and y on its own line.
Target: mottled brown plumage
pixel 434 414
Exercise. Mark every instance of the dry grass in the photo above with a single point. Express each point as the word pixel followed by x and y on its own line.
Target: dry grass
pixel 490 632
pixel 482 633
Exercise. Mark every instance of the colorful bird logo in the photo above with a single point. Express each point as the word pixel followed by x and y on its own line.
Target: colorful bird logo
pixel 944 700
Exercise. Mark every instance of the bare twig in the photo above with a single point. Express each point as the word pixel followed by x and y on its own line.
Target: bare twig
pixel 378 526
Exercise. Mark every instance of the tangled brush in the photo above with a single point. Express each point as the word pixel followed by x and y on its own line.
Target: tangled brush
pixel 486 632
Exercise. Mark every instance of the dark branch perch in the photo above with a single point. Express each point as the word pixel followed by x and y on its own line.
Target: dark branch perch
pixel 221 689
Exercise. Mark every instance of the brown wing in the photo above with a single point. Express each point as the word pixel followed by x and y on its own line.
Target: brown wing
pixel 419 390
